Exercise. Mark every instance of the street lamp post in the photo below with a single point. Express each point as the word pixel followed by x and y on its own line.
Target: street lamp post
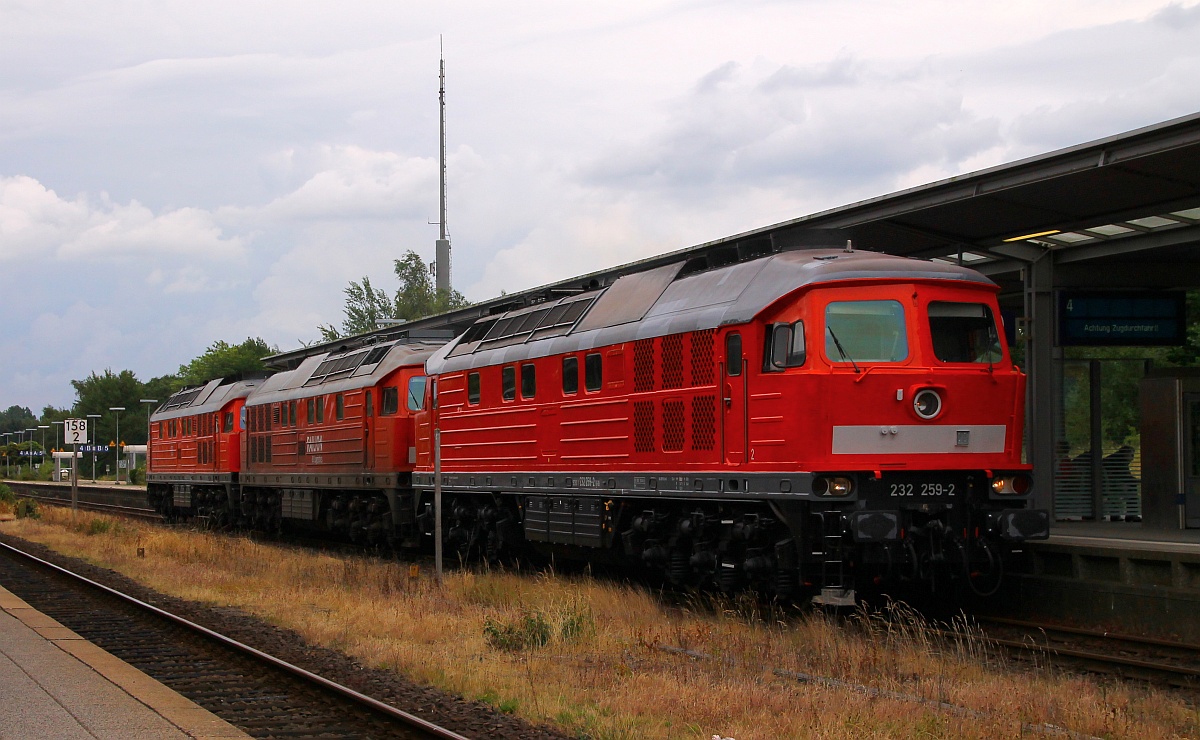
pixel 58 427
pixel 43 427
pixel 6 435
pixel 31 431
pixel 95 431
pixel 118 410
pixel 149 405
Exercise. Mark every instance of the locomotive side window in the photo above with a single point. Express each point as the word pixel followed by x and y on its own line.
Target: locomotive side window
pixel 473 388
pixel 733 354
pixel 389 401
pixel 291 413
pixel 785 346
pixel 528 381
pixel 508 382
pixel 320 409
pixel 593 372
pixel 228 422
pixel 963 332
pixel 570 375
pixel 370 410
pixel 312 410
pixel 865 331
pixel 416 392
pixel 339 402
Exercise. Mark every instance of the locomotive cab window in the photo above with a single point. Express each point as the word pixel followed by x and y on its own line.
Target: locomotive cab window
pixel 473 388
pixel 228 422
pixel 963 332
pixel 416 392
pixel 733 354
pixel 593 372
pixel 570 375
pixel 865 331
pixel 508 382
pixel 785 346
pixel 528 380
pixel 390 401
pixel 339 403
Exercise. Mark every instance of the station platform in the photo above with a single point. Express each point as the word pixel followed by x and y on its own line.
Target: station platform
pixel 55 684
pixel 1122 576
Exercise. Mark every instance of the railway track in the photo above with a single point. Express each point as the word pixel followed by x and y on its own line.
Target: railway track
pixel 1148 659
pixel 262 695
pixel 119 501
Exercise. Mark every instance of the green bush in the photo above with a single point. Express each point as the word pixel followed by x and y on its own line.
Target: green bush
pixel 7 496
pixel 534 629
pixel 527 631
pixel 99 526
pixel 27 508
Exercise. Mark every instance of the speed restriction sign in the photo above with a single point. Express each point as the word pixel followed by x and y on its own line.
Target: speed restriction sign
pixel 75 431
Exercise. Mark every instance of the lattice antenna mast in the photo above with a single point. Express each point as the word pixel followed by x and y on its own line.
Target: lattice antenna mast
pixel 442 259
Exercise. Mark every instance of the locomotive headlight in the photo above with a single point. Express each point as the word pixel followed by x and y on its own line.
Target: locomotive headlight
pixel 927 403
pixel 1011 485
pixel 834 486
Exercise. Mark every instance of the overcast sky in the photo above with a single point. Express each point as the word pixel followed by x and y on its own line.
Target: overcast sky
pixel 172 173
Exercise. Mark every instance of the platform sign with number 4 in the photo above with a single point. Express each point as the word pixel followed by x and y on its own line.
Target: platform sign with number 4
pixel 75 431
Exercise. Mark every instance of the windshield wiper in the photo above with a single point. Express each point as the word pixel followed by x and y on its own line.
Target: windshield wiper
pixel 993 341
pixel 841 350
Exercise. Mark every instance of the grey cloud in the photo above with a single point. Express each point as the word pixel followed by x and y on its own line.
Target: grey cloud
pixel 842 70
pixel 782 132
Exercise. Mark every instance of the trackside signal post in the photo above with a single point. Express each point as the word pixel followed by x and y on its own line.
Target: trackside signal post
pixel 74 433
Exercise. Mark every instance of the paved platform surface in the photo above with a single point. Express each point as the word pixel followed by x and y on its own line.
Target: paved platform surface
pixel 55 684
pixel 1126 535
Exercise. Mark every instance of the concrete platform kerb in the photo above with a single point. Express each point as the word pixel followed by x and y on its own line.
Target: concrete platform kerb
pixel 57 684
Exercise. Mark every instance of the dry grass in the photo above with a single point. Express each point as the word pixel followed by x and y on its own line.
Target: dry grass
pixel 589 656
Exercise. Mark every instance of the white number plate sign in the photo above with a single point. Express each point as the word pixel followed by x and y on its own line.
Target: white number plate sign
pixel 75 431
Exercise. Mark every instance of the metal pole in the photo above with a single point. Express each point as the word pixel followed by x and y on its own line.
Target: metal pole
pixel 43 427
pixel 95 431
pixel 1096 433
pixel 149 404
pixel 437 502
pixel 118 410
pixel 74 477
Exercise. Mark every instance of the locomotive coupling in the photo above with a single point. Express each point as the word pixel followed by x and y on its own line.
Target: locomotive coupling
pixel 1018 525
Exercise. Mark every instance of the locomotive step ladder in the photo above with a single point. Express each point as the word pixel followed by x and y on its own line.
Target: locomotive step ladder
pixel 831 539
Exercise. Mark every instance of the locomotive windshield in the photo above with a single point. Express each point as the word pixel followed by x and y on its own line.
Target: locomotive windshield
pixel 963 332
pixel 867 331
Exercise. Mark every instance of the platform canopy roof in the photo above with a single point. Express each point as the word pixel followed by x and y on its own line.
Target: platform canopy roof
pixel 1123 211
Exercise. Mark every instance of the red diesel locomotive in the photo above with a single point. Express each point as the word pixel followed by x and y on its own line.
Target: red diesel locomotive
pixel 810 418
pixel 326 446
pixel 820 419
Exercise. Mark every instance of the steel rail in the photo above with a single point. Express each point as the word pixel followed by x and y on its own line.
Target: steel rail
pixel 374 704
pixel 1187 675
pixel 1083 632
pixel 131 511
